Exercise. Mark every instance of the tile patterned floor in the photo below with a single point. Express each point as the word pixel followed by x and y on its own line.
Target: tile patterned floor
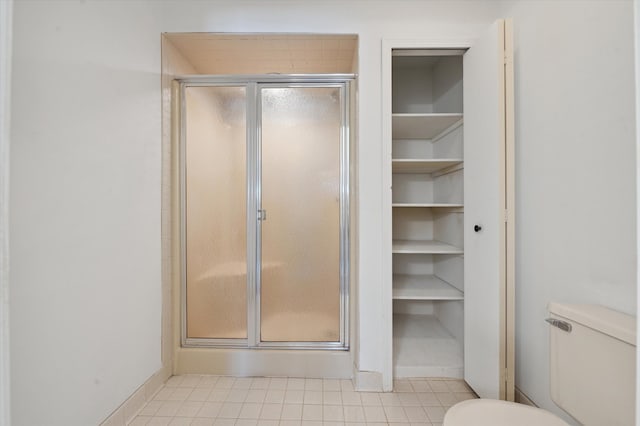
pixel 228 401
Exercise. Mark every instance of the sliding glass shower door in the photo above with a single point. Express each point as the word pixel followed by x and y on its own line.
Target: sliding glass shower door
pixel 265 212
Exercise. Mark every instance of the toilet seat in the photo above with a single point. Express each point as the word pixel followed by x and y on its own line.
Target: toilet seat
pixel 491 412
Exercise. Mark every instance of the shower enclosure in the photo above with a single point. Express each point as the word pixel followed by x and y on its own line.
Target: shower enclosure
pixel 264 193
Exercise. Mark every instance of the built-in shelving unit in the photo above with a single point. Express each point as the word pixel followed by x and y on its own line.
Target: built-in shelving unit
pixel 423 287
pixel 427 200
pixel 423 347
pixel 430 205
pixel 424 165
pixel 421 125
pixel 424 247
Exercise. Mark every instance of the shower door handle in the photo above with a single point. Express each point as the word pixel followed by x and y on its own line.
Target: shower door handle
pixel 262 215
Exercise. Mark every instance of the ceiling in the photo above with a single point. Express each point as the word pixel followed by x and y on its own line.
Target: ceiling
pixel 217 53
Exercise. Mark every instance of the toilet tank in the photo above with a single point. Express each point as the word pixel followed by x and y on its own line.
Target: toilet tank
pixel 593 365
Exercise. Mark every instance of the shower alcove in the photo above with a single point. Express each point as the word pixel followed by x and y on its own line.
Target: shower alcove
pixel 262 151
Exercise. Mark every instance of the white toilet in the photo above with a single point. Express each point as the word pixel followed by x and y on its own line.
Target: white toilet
pixel 592 374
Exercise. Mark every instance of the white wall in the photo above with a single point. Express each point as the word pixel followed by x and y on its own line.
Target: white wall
pixel 85 209
pixel 575 168
pixel 86 175
pixel 636 27
pixel 6 18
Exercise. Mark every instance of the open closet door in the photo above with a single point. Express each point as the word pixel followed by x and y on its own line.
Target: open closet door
pixel 488 221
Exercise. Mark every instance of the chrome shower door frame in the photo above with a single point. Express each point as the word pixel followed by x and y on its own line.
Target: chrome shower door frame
pixel 253 85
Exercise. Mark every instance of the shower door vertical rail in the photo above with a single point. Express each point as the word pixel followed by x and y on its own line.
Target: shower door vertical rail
pixel 253 203
pixel 254 211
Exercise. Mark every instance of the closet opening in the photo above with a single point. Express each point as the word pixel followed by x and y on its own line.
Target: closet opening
pixel 428 212
pixel 449 214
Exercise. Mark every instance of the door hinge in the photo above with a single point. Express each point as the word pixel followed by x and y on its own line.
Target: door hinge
pixel 504 376
pixel 506 58
pixel 506 216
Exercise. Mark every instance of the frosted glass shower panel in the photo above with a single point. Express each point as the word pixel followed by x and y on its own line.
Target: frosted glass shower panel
pixel 300 274
pixel 215 218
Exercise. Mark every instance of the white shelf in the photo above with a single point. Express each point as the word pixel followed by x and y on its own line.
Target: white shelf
pixel 424 246
pixel 423 287
pixel 421 126
pixel 422 347
pixel 434 205
pixel 407 165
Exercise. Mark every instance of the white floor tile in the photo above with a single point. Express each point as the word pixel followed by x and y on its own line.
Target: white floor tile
pixel 370 399
pixel 256 396
pixel 278 383
pixel 201 400
pixel 271 412
pixel 181 421
pixel 390 400
pixel 218 395
pixel 140 421
pixel 189 409
pixel 313 385
pixel 250 411
pixel 332 398
pixel 237 395
pixel 354 414
pixel 208 382
pixel 295 384
pixel 261 383
pixel 332 413
pixel 168 409
pixel 291 412
pixel 331 385
pixel 438 385
pixel 274 396
pixel 396 414
pixel 246 422
pixel 230 410
pixel 209 409
pixel 312 412
pixel 415 414
pixel 435 414
pixel 159 421
pixel 294 397
pixel 374 414
pixel 225 383
pixel 199 394
pixel 313 397
pixel 351 398
pixel 346 386
pixel 190 381
pixel 243 383
pixel 290 422
pixel 204 422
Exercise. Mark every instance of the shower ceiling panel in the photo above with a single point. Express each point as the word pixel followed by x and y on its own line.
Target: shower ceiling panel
pixel 228 54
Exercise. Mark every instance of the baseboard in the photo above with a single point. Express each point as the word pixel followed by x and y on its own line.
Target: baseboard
pixel 367 381
pixel 523 399
pixel 132 405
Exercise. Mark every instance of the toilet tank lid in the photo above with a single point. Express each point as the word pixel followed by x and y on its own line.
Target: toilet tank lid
pixel 605 320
